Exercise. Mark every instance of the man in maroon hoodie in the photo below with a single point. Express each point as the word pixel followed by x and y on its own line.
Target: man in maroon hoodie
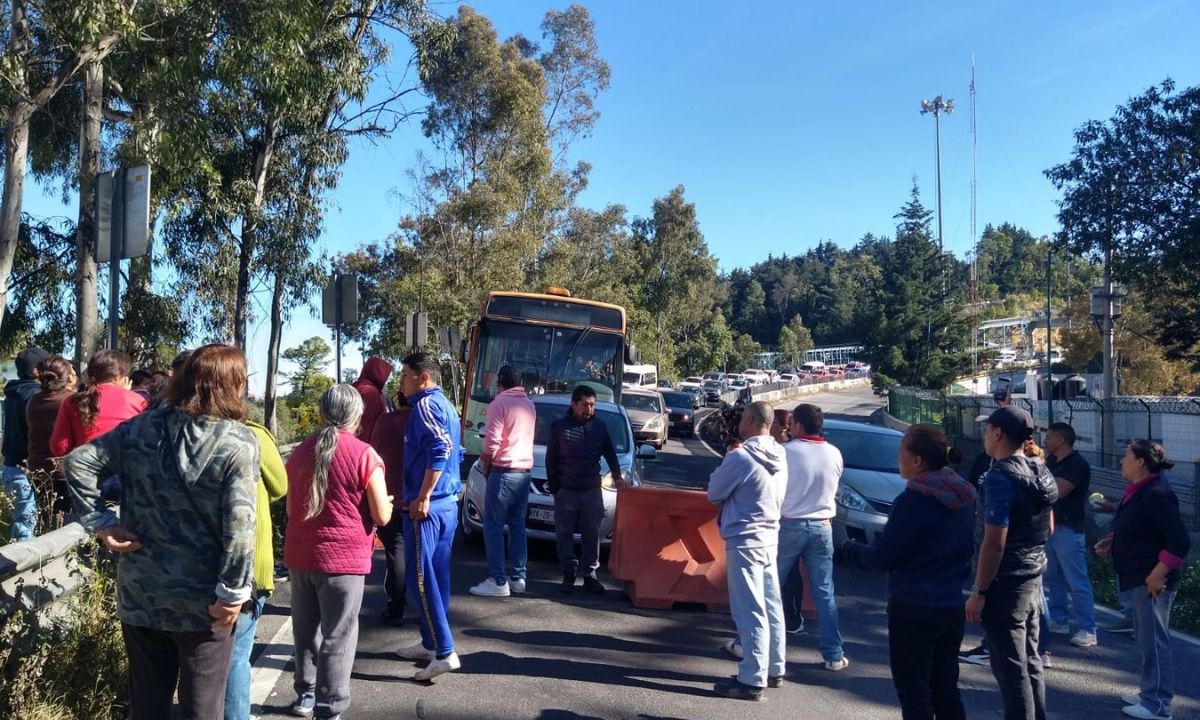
pixel 370 384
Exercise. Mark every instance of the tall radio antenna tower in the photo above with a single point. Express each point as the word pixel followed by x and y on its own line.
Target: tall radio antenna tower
pixel 974 238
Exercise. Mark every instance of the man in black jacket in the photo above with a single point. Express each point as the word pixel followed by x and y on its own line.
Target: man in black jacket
pixel 16 443
pixel 1018 493
pixel 573 451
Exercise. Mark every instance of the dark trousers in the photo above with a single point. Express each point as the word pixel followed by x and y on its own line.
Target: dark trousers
pixel 924 658
pixel 196 662
pixel 1011 618
pixel 392 537
pixel 581 510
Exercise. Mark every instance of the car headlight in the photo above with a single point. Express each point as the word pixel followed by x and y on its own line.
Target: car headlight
pixel 686 417
pixel 851 499
pixel 654 424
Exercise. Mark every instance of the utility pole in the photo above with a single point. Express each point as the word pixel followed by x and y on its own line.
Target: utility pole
pixel 1049 360
pixel 937 107
pixel 974 240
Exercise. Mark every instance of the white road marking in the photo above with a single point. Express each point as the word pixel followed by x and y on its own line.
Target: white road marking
pixel 272 661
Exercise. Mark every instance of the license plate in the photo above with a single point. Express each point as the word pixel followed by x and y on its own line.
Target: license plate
pixel 542 514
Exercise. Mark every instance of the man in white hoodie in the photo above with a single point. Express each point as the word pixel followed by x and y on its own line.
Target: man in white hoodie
pixel 749 487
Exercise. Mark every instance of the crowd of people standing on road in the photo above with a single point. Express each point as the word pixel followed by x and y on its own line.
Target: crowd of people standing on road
pixel 194 479
pixel 1020 517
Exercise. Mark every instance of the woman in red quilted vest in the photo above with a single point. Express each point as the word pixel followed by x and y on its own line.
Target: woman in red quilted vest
pixel 328 547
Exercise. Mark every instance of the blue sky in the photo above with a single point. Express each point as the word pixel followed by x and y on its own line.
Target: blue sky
pixel 793 122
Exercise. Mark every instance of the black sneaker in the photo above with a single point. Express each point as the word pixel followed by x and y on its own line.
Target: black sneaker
pixel 795 626
pixel 592 585
pixel 568 584
pixel 738 690
pixel 775 682
pixel 974 656
pixel 393 617
pixel 1124 626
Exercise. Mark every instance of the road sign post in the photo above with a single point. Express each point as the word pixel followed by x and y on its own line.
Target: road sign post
pixel 339 305
pixel 122 229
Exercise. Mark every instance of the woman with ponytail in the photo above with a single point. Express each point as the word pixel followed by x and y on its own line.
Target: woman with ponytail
pixel 327 549
pixel 926 551
pixel 104 403
pixel 57 378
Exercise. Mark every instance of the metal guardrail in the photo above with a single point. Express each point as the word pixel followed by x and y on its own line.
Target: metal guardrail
pixel 36 573
pixel 1175 422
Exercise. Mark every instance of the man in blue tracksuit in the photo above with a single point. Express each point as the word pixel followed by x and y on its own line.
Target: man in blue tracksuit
pixel 432 453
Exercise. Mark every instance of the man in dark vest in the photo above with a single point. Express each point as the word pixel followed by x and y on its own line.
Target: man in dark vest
pixel 1018 494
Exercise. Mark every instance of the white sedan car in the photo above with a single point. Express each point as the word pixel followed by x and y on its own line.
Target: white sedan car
pixel 539 520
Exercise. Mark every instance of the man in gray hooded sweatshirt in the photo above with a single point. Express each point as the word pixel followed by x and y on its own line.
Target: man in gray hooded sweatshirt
pixel 749 487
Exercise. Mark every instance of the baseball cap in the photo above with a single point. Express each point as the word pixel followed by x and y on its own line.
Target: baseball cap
pixel 1015 423
pixel 28 360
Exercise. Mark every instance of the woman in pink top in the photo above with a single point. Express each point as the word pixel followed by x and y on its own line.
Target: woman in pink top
pixel 104 403
pixel 327 549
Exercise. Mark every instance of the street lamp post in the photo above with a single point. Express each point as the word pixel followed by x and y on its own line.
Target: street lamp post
pixel 936 107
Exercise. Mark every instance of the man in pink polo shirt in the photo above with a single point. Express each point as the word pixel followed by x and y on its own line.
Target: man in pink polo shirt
pixel 506 461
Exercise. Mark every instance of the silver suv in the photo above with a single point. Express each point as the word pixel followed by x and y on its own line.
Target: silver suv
pixel 539 521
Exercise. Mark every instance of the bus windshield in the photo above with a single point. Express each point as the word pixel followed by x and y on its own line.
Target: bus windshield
pixel 549 360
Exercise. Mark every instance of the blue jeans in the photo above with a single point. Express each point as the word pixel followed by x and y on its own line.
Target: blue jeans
pixel 237 686
pixel 1067 571
pixel 812 541
pixel 506 503
pixel 24 511
pixel 1151 618
pixel 757 608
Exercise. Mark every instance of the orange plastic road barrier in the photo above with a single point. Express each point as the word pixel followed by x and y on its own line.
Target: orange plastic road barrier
pixel 667 548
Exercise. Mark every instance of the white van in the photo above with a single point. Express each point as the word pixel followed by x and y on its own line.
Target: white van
pixel 640 376
pixel 813 367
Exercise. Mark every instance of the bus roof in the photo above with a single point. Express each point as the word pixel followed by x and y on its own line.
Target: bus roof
pixel 615 313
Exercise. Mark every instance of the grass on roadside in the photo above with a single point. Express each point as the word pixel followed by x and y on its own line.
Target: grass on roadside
pixel 71 667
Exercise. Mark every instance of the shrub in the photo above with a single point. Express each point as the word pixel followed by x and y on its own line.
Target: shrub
pixel 69 666
pixel 1185 612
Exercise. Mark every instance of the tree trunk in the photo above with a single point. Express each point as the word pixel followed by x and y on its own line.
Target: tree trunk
pixel 16 153
pixel 272 386
pixel 250 219
pixel 87 318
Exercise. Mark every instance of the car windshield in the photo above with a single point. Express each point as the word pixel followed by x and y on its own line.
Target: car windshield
pixel 867 450
pixel 634 401
pixel 712 384
pixel 618 427
pixel 549 360
pixel 693 380
pixel 678 400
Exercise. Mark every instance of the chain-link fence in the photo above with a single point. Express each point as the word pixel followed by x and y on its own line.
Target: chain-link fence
pixel 1174 422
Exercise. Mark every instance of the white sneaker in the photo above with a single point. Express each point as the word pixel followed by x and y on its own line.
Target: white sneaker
pixel 490 588
pixel 1083 639
pixel 517 585
pixel 447 664
pixel 1132 698
pixel 1138 711
pixel 837 665
pixel 416 652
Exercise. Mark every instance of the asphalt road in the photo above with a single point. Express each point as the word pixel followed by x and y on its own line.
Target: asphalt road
pixel 547 656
